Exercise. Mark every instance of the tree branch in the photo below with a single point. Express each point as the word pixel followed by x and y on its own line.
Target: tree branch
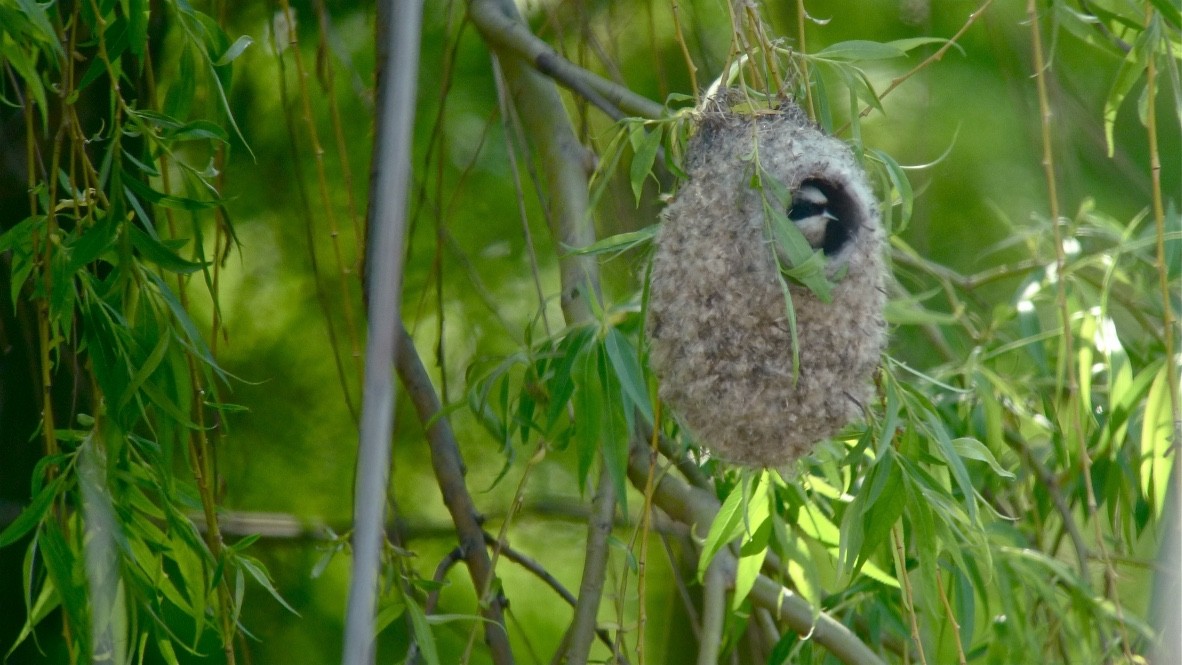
pixel 502 28
pixel 401 22
pixel 541 573
pixel 449 473
pixel 713 612
pixel 567 169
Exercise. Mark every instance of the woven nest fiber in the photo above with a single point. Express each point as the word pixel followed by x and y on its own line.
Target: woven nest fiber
pixel 717 320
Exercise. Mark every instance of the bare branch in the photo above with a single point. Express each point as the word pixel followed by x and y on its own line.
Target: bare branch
pixel 390 181
pixel 541 573
pixel 713 612
pixel 449 473
pixel 567 168
pixel 599 529
pixel 501 26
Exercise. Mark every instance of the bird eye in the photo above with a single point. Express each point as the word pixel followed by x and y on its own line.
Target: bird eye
pixel 807 202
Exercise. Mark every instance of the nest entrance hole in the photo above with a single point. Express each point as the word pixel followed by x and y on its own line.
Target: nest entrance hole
pixel 841 205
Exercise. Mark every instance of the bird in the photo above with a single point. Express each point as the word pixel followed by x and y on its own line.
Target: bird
pixel 810 212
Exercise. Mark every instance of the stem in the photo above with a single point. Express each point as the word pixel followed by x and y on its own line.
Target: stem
pixel 801 15
pixel 1159 220
pixel 1072 387
pixel 960 657
pixel 385 346
pixel 449 474
pixel 713 612
pixel 689 62
pixel 305 208
pixel 343 270
pixel 645 525
pixel 568 165
pixel 908 597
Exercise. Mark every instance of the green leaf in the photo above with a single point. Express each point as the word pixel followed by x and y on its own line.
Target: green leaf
pixel 423 636
pixel 560 382
pixel 644 154
pixel 20 235
pixel 860 49
pixel 915 42
pixel 35 611
pixel 589 411
pixel 135 186
pixel 199 130
pixel 727 525
pixel 32 515
pixel 908 312
pixel 1156 431
pixel 93 243
pixel 64 569
pixel 1169 11
pixel 38 17
pixel 617 244
pixel 955 463
pixel 974 449
pixel 753 552
pixel 1127 75
pixel 743 512
pixel 1173 241
pixel 615 435
pixel 236 49
pixel 256 570
pixel 624 361
pixel 155 251
pixel 901 184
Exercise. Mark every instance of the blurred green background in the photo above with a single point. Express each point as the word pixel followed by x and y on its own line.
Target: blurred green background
pixel 972 118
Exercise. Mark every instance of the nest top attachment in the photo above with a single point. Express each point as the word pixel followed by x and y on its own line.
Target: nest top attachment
pixel 717 318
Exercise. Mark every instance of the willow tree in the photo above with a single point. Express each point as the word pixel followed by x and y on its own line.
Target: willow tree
pixel 185 245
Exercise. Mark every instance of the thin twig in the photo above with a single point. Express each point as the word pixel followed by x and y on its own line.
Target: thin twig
pixel 599 528
pixel 541 573
pixel 567 169
pixel 645 524
pixel 960 657
pixel 908 596
pixel 935 57
pixel 1054 490
pixel 1072 388
pixel 690 67
pixel 1159 222
pixel 343 268
pixel 801 17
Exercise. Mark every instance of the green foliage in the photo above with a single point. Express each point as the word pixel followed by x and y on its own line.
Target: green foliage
pixel 119 213
pixel 1000 504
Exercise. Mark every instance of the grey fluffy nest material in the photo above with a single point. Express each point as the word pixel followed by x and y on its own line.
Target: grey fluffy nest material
pixel 717 321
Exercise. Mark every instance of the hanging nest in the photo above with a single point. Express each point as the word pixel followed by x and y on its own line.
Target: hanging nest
pixel 717 319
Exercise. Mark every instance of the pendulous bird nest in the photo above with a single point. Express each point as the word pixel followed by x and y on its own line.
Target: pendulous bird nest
pixel 717 319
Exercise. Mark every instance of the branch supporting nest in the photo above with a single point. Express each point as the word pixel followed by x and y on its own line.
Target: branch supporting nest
pixel 502 28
